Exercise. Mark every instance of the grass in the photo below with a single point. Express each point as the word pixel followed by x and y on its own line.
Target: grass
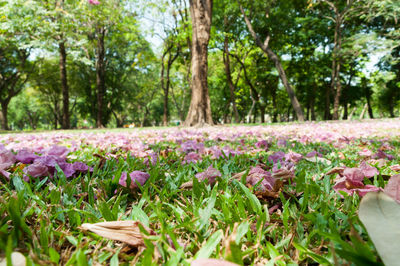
pixel 312 224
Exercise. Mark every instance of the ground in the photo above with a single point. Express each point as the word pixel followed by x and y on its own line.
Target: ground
pixel 286 194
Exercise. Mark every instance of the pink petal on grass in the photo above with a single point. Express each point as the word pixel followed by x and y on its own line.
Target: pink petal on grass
pixel 361 190
pixel 191 157
pixel 368 170
pixel 25 156
pixel 37 169
pixel 277 156
pixel 392 188
pixel 395 167
pixel 365 153
pixel 7 158
pixel 58 151
pixel 211 174
pixel 93 2
pixel 353 175
pixel 80 167
pixel 293 156
pixel 136 176
pixel 257 174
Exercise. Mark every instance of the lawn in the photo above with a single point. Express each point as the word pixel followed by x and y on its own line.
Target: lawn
pixel 274 194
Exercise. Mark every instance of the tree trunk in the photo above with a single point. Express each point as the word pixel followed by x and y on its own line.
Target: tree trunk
pixel 274 58
pixel 346 111
pixel 171 60
pixel 165 111
pixel 4 115
pixel 368 97
pixel 274 105
pixel 200 108
pixel 391 107
pixel 312 104
pixel 64 85
pixel 336 63
pixel 352 113
pixel 228 73
pixel 327 111
pixel 100 76
pixel 363 111
pixel 292 96
pixel 262 113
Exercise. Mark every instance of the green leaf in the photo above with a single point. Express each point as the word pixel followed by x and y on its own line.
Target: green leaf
pixel 72 240
pixel 54 256
pixel 208 248
pixel 254 202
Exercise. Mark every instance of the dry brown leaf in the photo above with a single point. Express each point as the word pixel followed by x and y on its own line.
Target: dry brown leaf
pixel 230 238
pixel 283 174
pixel 379 162
pixel 238 176
pixel 318 160
pixel 187 185
pixel 335 170
pixel 341 155
pixel 124 231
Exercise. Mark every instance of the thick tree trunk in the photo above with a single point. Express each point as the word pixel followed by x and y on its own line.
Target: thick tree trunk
pixel 262 113
pixel 200 108
pixel 100 76
pixel 64 85
pixel 229 79
pixel 4 115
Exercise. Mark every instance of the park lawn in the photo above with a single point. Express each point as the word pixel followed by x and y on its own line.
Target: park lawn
pixel 269 199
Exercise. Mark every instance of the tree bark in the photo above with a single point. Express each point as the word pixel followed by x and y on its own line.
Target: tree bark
pixel 200 108
pixel 346 111
pixel 228 73
pixel 274 58
pixel 4 114
pixel 312 104
pixel 335 80
pixel 64 85
pixel 275 106
pixel 170 61
pixel 339 20
pixel 100 76
pixel 368 97
pixel 165 115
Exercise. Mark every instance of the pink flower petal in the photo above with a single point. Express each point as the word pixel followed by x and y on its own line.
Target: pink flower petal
pixel 392 188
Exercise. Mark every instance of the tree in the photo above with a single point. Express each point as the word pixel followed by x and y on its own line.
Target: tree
pixel 341 13
pixel 14 71
pixel 265 47
pixel 200 107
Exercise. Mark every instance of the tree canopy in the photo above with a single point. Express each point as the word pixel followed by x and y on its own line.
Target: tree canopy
pixel 94 63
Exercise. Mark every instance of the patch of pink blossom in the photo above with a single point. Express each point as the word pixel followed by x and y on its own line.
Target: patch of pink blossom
pixel 210 174
pixel 94 2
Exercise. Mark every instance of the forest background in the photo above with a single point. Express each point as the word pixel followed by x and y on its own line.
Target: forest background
pixel 84 64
